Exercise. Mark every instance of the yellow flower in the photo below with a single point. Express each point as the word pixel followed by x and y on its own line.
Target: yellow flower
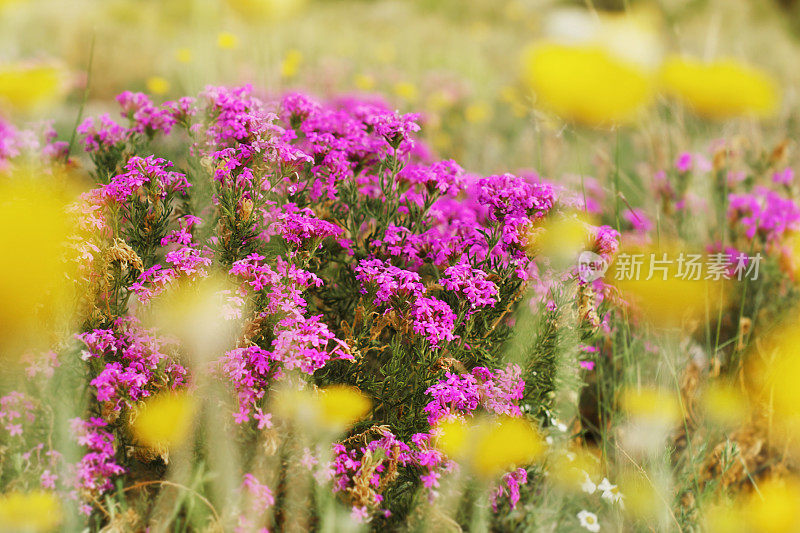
pixel 773 508
pixel 32 511
pixel 490 447
pixel 227 40
pixel 724 405
pixel 642 499
pixel 561 239
pixel 291 63
pixel 183 55
pixel 406 90
pixel 651 404
pixel 452 438
pixel 364 82
pixel 27 87
pixel 478 112
pixel 164 420
pixel 721 89
pixel 585 83
pixel 266 9
pixel 33 272
pixel 157 85
pixel 331 409
pixel 722 518
pixel 570 469
pixel 773 371
pixel 340 406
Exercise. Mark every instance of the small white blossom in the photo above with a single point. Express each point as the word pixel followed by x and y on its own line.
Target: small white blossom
pixel 589 521
pixel 610 492
pixel 588 485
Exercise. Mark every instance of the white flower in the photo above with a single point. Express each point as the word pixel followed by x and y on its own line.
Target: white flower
pixel 611 492
pixel 588 485
pixel 589 521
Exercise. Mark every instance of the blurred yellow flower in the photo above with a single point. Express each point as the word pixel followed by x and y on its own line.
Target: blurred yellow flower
pixel 32 511
pixel 331 409
pixel 157 85
pixel 164 420
pixel 33 272
pixel 490 447
pixel 478 112
pixel 560 238
pixel 721 518
pixel 570 469
pixel 724 405
pixel 227 40
pixel 28 87
pixel 452 438
pixel 341 406
pixel 651 405
pixel 440 100
pixel 406 90
pixel 270 10
pixel 642 500
pixel 183 55
pixel 504 444
pixel 773 371
pixel 364 82
pixel 291 63
pixel 773 508
pixel 721 89
pixel 585 83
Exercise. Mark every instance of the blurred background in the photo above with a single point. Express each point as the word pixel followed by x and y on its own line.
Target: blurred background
pixel 459 63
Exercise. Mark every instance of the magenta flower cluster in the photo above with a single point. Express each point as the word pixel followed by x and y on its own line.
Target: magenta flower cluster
pixel 764 214
pixel 495 391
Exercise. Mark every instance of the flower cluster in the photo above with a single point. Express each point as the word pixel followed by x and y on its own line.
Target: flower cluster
pixel 473 283
pixel 387 282
pixel 434 320
pixel 98 467
pixel 135 363
pixel 765 214
pixel 363 472
pixel 459 394
pixel 259 497
pixel 16 410
pixel 148 176
pixel 354 256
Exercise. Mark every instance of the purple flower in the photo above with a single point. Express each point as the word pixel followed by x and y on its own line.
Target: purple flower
pixel 765 214
pixel 146 176
pixel 102 136
pixel 684 162
pixel 433 319
pixel 638 219
pixel 388 282
pixel 783 177
pixel 495 391
pixel 473 283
